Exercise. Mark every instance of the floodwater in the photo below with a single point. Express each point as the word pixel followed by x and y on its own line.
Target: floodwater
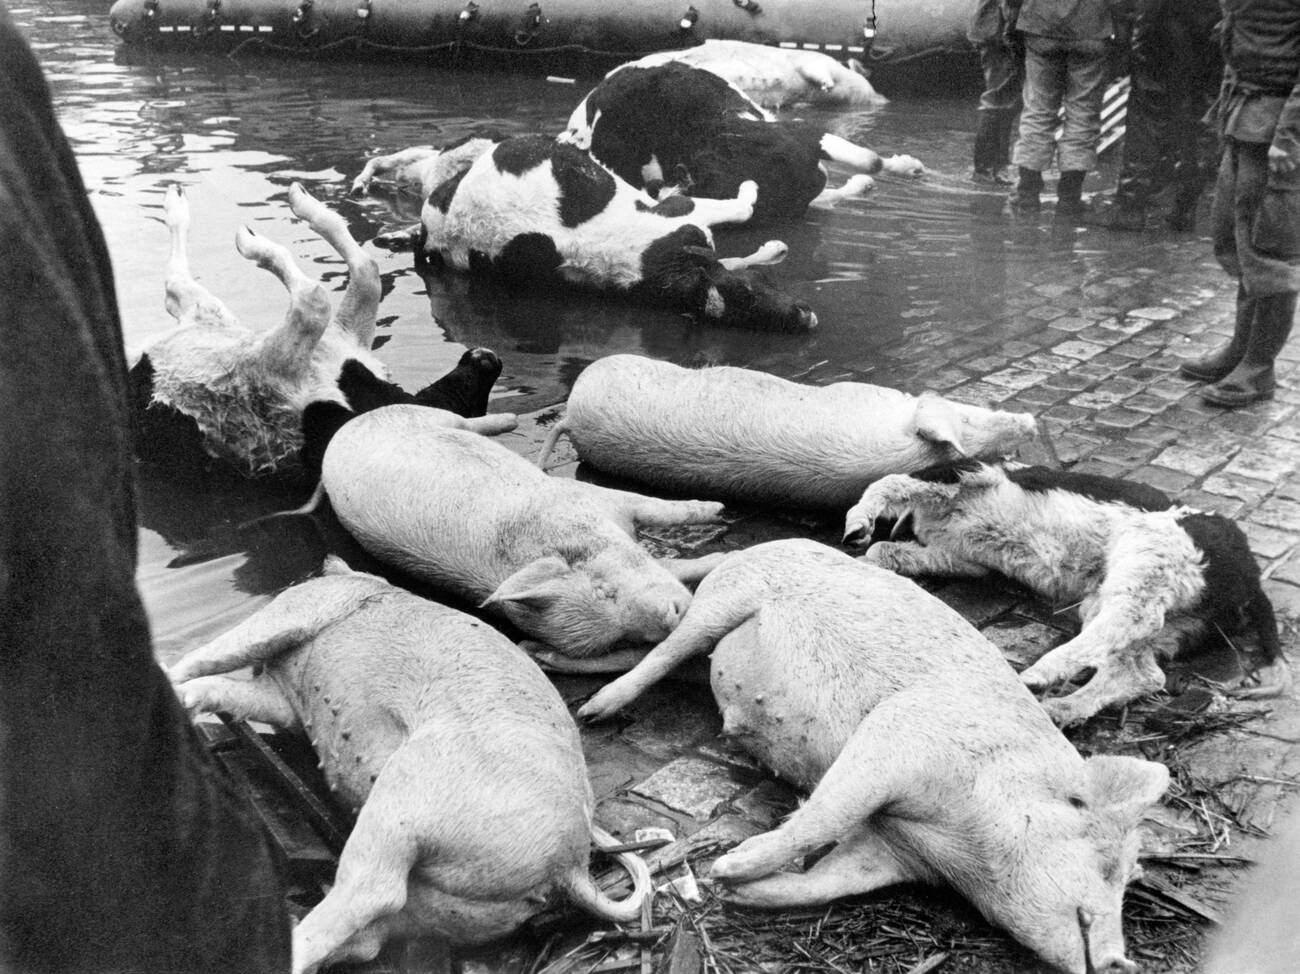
pixel 885 274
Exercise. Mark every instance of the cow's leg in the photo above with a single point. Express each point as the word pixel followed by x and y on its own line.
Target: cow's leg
pixel 878 765
pixel 290 619
pixel 287 350
pixel 710 213
pixel 894 496
pixel 860 863
pixel 188 301
pixel 381 166
pixel 1118 680
pixel 704 624
pixel 356 312
pixel 256 699
pixel 911 559
pixel 868 160
pixel 772 252
pixel 859 184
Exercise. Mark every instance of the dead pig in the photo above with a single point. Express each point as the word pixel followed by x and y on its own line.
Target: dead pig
pixel 458 756
pixel 557 558
pixel 926 758
pixel 746 435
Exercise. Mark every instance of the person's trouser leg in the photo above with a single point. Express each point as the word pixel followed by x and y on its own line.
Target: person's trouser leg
pixel 998 108
pixel 1045 83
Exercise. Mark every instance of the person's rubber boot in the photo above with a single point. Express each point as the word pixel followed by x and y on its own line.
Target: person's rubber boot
pixel 985 153
pixel 1069 194
pixel 1221 361
pixel 1025 198
pixel 1252 380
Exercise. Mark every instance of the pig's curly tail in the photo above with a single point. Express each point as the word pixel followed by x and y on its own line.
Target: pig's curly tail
pixel 582 889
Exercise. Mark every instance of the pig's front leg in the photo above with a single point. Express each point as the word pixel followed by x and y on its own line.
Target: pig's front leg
pixel 691 571
pixel 257 699
pixel 706 621
pixel 292 617
pixel 860 863
pixel 637 510
pixel 882 762
pixel 912 559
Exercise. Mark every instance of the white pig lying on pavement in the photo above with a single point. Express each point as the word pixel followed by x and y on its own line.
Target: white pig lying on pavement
pixel 746 435
pixel 1147 576
pixel 926 758
pixel 457 754
pixel 556 557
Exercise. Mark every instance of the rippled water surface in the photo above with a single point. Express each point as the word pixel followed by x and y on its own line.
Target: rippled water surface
pixel 889 276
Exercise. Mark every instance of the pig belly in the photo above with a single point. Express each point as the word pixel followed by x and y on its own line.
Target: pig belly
pixel 727 436
pixel 775 712
pixel 466 920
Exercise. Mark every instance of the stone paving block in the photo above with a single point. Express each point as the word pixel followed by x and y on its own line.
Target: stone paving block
pixel 1285 598
pixel 1186 460
pixel 1162 478
pixel 1040 396
pixel 986 363
pixel 1123 453
pixel 691 785
pixel 1100 469
pixel 1022 640
pixel 1048 362
pixel 1153 313
pixel 1071 324
pixel 1078 349
pixel 623 816
pixel 1120 417
pixel 1053 290
pixel 1278 512
pixel 1014 379
pixel 1154 433
pixel 1151 405
pixel 1268 542
pixel 1250 491
pixel 1099 398
pixel 1044 312
pixel 1212 503
pixel 1261 465
pixel 1068 382
pixel 977 394
pixel 1099 311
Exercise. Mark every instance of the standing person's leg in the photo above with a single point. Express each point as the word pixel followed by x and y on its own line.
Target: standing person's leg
pixel 1085 86
pixel 1266 237
pixel 1148 127
pixel 999 105
pixel 1198 66
pixel 1045 81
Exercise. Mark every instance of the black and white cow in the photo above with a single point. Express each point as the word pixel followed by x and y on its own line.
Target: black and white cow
pixel 677 123
pixel 211 394
pixel 534 212
pixel 1149 577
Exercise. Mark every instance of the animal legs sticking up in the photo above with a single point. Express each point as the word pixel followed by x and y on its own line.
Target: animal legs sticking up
pixel 859 184
pixel 772 252
pixel 187 301
pixel 381 166
pixel 356 312
pixel 709 213
pixel 868 160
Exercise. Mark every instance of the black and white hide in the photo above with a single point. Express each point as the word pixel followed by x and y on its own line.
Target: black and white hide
pixel 674 123
pixel 534 213
pixel 212 394
pixel 1149 577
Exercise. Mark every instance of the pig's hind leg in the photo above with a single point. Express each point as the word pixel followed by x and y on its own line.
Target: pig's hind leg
pixel 636 510
pixel 860 863
pixel 880 764
pixel 257 699
pixel 188 301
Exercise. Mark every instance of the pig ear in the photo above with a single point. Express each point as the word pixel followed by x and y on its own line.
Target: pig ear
pixel 534 585
pixel 937 420
pixel 1126 786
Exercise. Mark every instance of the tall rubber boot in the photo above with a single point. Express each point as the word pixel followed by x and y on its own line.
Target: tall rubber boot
pixel 1069 193
pixel 1217 364
pixel 1024 198
pixel 1252 380
pixel 985 154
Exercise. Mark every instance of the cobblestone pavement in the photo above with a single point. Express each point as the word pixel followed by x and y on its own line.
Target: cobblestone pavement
pixel 1096 360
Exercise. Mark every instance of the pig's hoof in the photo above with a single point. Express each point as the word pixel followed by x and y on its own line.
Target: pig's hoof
pixel 1066 712
pixel 605 704
pixel 904 166
pixel 748 192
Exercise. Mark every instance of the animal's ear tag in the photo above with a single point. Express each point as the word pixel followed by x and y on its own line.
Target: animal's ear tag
pixel 937 420
pixel 534 586
pixel 1125 786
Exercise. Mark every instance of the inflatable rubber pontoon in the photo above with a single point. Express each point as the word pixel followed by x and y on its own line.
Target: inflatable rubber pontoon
pixel 888 35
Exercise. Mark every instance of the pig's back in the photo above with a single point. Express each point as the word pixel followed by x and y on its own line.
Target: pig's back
pixel 833 639
pixel 741 434
pixel 401 666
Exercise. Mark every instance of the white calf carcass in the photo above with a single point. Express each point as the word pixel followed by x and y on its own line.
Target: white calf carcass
pixel 1148 576
pixel 772 76
pixel 740 434
pixel 456 754
pixel 557 558
pixel 926 758
pixel 213 390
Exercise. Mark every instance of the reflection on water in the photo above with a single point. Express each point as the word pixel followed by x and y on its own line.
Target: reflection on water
pixel 892 277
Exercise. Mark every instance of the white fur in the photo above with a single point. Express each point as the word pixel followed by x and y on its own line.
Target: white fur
pixel 247 390
pixel 737 433
pixel 555 557
pixel 421 168
pixel 1130 571
pixel 926 759
pixel 459 758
